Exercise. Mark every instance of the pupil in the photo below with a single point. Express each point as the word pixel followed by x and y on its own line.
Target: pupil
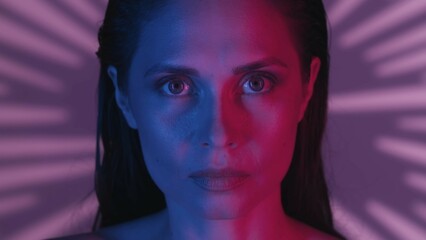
pixel 256 85
pixel 176 87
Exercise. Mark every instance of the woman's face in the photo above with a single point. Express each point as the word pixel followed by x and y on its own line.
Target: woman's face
pixel 216 85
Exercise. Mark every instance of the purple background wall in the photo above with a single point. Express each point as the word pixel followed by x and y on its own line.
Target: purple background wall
pixel 375 146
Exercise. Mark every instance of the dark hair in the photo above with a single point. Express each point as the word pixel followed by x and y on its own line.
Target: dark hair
pixel 123 185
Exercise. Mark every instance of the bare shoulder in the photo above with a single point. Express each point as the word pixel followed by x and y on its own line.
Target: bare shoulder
pixel 148 227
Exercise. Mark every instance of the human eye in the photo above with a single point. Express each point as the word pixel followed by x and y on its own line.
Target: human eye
pixel 176 86
pixel 258 82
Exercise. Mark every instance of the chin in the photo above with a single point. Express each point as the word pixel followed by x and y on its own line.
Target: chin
pixel 216 209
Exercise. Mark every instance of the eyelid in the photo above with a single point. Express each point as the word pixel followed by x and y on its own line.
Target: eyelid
pixel 188 81
pixel 269 76
pixel 162 82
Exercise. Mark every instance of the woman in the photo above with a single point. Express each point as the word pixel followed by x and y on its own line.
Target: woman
pixel 211 115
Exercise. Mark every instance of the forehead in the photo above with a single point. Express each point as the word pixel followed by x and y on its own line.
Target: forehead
pixel 220 30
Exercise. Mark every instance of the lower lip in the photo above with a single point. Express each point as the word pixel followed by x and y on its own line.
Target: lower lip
pixel 219 184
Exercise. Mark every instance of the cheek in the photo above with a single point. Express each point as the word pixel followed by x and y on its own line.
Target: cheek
pixel 162 136
pixel 276 124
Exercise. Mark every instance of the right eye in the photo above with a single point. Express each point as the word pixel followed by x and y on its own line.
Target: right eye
pixel 176 86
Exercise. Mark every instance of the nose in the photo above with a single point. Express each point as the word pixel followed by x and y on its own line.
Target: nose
pixel 220 123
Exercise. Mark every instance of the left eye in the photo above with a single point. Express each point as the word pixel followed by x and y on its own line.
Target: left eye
pixel 257 83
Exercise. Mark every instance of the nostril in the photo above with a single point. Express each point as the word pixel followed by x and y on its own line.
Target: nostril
pixel 205 144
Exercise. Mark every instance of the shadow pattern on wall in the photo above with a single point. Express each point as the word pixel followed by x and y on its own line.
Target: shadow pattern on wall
pixel 375 145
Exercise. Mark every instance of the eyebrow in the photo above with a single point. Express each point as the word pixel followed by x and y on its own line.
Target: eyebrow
pixel 184 70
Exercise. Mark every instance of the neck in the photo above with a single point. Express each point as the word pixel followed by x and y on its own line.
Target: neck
pixel 265 221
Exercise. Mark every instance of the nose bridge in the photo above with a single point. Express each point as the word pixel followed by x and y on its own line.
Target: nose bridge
pixel 220 118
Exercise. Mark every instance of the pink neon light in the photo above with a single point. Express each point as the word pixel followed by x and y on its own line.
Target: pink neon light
pixel 342 9
pixel 416 181
pixel 31 76
pixel 33 146
pixel 417 123
pixel 419 208
pixel 391 99
pixel 405 150
pixel 85 10
pixel 391 17
pixel 28 40
pixel 413 37
pixel 396 223
pixel 4 89
pixel 410 62
pixel 15 177
pixel 16 115
pixel 351 225
pixel 11 203
pixel 42 13
pixel 52 226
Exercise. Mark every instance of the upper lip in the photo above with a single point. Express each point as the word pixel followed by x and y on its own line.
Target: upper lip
pixel 225 172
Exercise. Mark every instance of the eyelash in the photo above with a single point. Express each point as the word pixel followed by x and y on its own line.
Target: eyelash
pixel 271 80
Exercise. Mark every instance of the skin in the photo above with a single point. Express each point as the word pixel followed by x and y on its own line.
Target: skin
pixel 217 120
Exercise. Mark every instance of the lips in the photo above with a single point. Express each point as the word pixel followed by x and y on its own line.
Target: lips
pixel 219 179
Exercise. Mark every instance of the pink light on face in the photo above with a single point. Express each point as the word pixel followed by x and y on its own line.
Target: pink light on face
pixel 31 76
pixel 18 116
pixel 399 13
pixel 342 9
pixel 42 13
pixel 417 123
pixel 410 62
pixel 12 203
pixel 33 146
pixel 416 181
pixel 392 99
pixel 414 36
pixel 27 39
pixel 406 150
pixel 397 224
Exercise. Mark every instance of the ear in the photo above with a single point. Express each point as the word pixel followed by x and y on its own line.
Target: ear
pixel 121 99
pixel 308 88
